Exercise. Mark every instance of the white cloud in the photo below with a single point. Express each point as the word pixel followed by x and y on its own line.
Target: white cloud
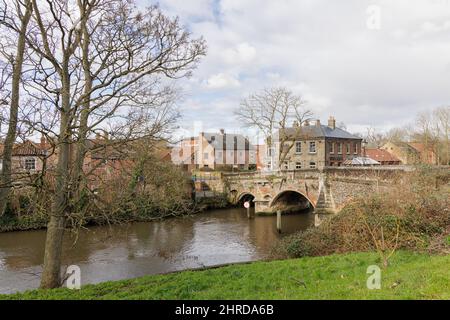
pixel 241 54
pixel 324 51
pixel 222 80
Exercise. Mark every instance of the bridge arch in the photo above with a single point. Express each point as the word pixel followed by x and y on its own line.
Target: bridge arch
pixel 245 196
pixel 291 197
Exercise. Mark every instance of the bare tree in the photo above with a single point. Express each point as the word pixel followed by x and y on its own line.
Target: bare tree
pixel 99 62
pixel 21 12
pixel 271 111
pixel 442 125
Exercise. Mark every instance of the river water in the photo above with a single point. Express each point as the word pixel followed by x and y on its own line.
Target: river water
pixel 132 250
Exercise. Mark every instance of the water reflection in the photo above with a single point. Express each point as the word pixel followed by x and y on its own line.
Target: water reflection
pixel 126 251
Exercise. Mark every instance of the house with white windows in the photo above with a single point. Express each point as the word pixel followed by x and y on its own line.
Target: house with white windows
pixel 312 145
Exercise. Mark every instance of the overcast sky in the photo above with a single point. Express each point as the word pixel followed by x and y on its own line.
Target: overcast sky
pixel 334 53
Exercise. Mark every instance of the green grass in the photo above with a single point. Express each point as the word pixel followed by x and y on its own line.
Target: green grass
pixel 409 276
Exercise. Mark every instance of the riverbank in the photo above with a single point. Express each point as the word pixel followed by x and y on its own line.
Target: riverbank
pixel 409 276
pixel 9 223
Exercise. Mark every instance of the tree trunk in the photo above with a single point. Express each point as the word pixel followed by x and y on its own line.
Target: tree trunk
pixel 51 275
pixel 81 146
pixel 5 177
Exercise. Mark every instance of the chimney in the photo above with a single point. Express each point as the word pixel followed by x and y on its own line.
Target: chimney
pixel 222 131
pixel 318 122
pixel 332 122
pixel 43 141
pixel 306 123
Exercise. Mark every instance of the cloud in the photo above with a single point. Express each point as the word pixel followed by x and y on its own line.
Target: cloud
pixel 243 53
pixel 324 51
pixel 222 80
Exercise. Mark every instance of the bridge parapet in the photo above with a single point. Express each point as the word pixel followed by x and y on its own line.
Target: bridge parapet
pixel 327 190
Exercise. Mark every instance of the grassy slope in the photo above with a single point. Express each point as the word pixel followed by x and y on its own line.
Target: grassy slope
pixel 410 276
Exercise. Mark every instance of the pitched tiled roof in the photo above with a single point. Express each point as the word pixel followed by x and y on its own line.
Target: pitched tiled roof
pixel 319 131
pixel 231 140
pixel 26 148
pixel 380 155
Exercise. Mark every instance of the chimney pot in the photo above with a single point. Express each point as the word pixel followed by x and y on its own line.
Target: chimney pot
pixel 222 131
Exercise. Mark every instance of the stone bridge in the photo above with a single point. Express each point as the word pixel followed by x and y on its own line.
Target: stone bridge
pixel 326 190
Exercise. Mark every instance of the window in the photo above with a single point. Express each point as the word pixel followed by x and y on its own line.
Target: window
pixel 331 147
pixel 348 148
pixel 285 165
pixel 298 147
pixel 312 165
pixel 312 147
pixel 298 165
pixel 355 148
pixel 205 156
pixel 269 152
pixel 30 164
pixel 339 148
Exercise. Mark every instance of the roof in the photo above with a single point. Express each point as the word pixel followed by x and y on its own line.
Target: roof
pixel 26 148
pixel 421 147
pixel 402 145
pixel 380 155
pixel 231 141
pixel 361 161
pixel 320 131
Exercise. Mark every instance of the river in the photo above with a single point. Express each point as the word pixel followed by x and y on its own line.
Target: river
pixel 126 251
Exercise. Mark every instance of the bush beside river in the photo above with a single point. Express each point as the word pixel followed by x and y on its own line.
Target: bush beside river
pixel 130 213
pixel 415 217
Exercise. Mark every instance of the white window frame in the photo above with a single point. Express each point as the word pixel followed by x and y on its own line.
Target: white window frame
pixel 298 165
pixel 332 147
pixel 312 143
pixel 298 144
pixel 26 163
pixel 311 165
pixel 339 148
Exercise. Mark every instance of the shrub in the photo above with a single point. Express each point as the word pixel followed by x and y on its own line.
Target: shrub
pixel 409 218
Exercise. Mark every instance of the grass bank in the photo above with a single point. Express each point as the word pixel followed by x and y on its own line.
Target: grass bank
pixel 409 276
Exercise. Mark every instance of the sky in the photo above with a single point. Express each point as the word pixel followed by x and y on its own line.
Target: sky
pixel 367 63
